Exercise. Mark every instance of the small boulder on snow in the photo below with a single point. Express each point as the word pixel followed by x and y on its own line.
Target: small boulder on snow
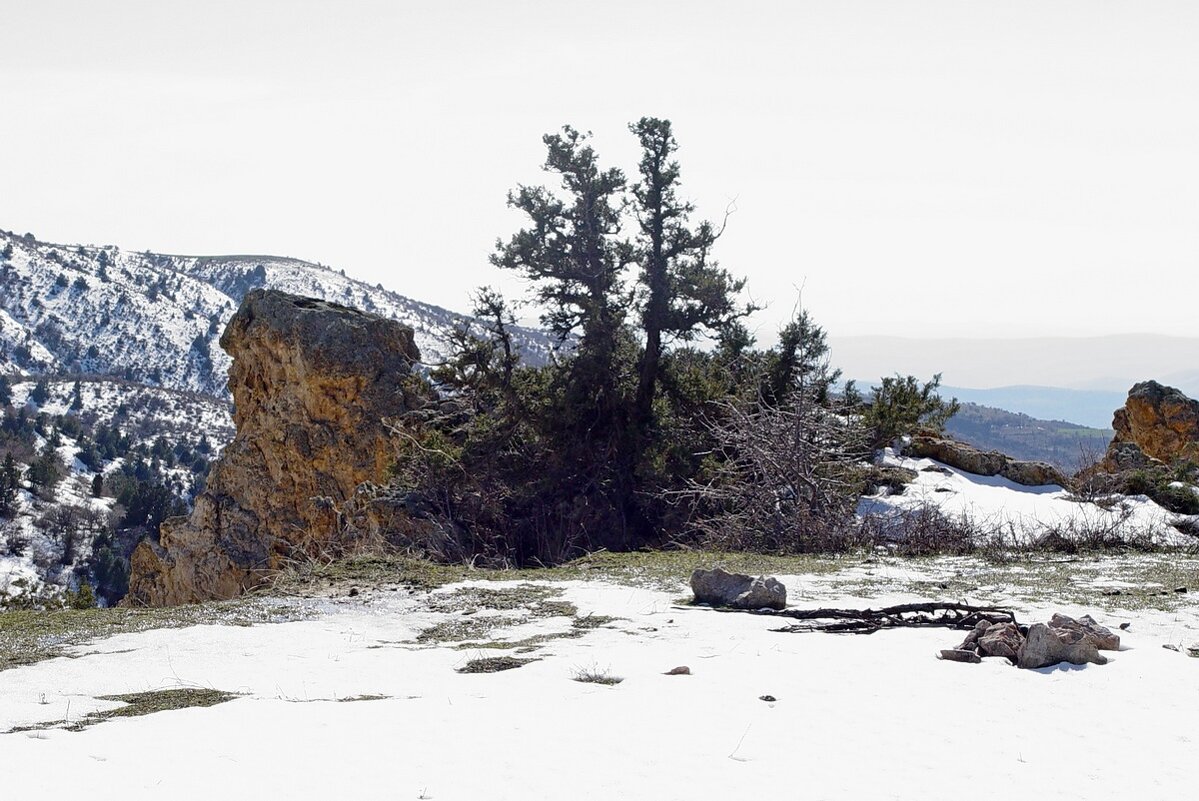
pixel 720 588
pixel 1101 637
pixel 1050 645
pixel 1001 639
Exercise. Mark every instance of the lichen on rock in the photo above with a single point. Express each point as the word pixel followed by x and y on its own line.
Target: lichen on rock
pixel 313 385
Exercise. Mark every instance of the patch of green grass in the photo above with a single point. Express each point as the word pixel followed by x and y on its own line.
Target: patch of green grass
pixel 536 601
pixel 651 569
pixel 27 637
pixel 517 596
pixel 494 664
pixel 458 629
pixel 139 704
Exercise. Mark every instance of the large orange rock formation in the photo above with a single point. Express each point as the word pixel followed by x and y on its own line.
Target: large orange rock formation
pixel 312 384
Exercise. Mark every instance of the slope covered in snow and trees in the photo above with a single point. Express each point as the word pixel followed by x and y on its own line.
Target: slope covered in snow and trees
pixel 156 319
pixel 113 393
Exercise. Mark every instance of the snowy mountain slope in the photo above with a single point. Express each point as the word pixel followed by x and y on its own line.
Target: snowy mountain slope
pixel 116 443
pixel 157 319
pixel 143 412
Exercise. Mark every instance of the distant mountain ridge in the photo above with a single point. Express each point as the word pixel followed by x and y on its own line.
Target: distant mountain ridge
pixel 1090 408
pixel 1066 445
pixel 157 318
pixel 1103 364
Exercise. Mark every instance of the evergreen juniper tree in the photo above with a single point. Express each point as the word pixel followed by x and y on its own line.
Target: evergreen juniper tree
pixel 10 484
pixel 40 393
pixel 682 292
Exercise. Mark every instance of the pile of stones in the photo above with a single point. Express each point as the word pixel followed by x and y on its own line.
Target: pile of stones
pixel 1062 639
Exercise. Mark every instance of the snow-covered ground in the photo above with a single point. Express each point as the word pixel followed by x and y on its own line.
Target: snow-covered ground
pixel 350 704
pixel 995 504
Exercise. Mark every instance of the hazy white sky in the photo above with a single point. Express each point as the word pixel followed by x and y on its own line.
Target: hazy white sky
pixel 930 168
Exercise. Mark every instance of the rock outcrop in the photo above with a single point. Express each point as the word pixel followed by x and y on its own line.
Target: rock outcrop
pixel 720 588
pixel 984 463
pixel 312 384
pixel 1156 423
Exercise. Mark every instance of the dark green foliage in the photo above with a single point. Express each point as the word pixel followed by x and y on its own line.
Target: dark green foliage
pixel 800 360
pixel 77 397
pixel 40 393
pixel 901 405
pixel 5 391
pixel 46 470
pixel 1171 488
pixel 110 568
pixel 682 292
pixel 147 502
pixel 82 598
pixel 10 485
pixel 98 485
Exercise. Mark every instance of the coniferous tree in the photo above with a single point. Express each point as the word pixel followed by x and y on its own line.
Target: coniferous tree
pixel 10 485
pixel 682 291
pixel 5 392
pixel 40 393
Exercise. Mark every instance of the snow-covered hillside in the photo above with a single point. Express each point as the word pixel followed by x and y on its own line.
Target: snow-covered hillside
pixel 157 319
pixel 98 462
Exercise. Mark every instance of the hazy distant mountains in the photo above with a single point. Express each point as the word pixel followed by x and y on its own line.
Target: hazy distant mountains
pixel 1082 379
pixel 156 319
pixel 1110 363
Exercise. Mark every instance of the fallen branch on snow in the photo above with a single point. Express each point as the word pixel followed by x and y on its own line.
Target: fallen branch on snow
pixel 868 621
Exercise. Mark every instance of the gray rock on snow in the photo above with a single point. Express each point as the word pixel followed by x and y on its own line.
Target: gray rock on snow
pixel 737 590
pixel 1002 639
pixel 1103 638
pixel 1050 645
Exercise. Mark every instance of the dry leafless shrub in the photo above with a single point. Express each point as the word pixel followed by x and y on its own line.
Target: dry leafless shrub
pixel 786 477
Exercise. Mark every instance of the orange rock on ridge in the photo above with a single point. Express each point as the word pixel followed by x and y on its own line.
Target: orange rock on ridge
pixel 312 383
pixel 1160 421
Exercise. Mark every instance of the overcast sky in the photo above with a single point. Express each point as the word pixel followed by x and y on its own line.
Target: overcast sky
pixel 929 168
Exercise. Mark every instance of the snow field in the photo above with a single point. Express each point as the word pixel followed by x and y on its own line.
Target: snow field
pixel 856 717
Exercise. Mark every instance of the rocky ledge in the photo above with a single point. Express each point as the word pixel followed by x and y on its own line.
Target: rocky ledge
pixel 984 463
pixel 313 384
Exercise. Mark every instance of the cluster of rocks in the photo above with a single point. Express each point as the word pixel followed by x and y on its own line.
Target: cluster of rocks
pixel 737 591
pixel 1062 639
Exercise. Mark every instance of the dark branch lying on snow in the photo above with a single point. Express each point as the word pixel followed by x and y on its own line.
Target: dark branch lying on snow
pixel 868 621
